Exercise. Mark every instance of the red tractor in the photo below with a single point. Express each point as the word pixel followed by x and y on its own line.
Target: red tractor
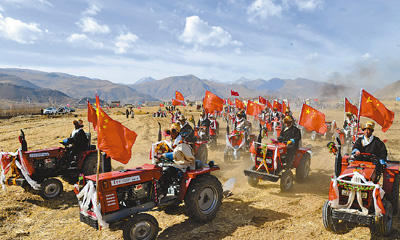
pixel 126 194
pixel 362 191
pixel 237 143
pixel 269 165
pixel 36 169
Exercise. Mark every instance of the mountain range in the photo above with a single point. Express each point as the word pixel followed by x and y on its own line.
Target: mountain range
pixel 50 87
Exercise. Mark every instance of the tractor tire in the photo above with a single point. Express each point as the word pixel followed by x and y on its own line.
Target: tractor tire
pixel 251 180
pixel 313 135
pixel 203 198
pixel 51 188
pixel 89 166
pixel 384 223
pixel 141 226
pixel 226 155
pixel 286 180
pixel 330 224
pixel 202 154
pixel 303 169
pixel 394 196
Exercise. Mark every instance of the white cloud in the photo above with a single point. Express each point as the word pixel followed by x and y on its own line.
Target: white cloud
pixel 1 9
pixel 91 10
pixel 124 42
pixel 18 31
pixel 198 32
pixel 83 40
pixel 90 25
pixel 309 5
pixel 263 9
pixel 366 56
pixel 312 56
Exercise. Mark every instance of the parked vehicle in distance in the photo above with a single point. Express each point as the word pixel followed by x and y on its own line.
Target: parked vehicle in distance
pixel 50 111
pixel 63 110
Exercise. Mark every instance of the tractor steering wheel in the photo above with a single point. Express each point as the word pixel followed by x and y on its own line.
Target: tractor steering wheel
pixel 366 157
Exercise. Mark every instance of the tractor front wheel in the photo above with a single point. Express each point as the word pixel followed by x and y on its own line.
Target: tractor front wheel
pixel 313 135
pixel 141 226
pixel 51 188
pixel 252 181
pixel 384 223
pixel 203 198
pixel 286 180
pixel 330 223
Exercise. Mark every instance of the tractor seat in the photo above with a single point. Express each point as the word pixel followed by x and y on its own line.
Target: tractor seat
pixel 199 164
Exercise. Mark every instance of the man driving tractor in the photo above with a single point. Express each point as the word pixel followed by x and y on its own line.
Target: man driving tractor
pixel 370 144
pixel 79 142
pixel 291 136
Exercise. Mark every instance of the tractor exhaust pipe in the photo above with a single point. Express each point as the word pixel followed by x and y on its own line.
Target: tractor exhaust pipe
pixel 159 131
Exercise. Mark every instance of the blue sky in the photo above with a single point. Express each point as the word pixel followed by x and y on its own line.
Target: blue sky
pixel 337 41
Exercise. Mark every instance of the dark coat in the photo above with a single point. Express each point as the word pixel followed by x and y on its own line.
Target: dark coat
pixel 206 122
pixel 292 132
pixel 79 140
pixel 376 147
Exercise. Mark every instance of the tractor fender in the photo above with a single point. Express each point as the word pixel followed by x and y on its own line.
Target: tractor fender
pixel 299 155
pixel 184 186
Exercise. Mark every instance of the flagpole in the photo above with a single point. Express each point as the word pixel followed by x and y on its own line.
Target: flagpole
pixel 98 150
pixel 359 109
pixel 344 107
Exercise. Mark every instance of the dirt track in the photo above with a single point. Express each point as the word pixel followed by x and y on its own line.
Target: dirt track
pixel 251 213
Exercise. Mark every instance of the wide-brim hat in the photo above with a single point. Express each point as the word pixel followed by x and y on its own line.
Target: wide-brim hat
pixel 369 125
pixel 182 118
pixel 78 122
pixel 287 119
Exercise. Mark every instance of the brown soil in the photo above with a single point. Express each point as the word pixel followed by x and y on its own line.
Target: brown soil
pixel 251 213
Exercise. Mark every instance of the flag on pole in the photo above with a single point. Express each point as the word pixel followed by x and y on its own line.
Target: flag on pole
pixel 113 138
pixel 212 102
pixel 233 93
pixel 312 119
pixel 262 100
pixel 269 105
pixel 230 102
pixel 239 104
pixel 284 108
pixel 176 102
pixel 253 108
pixel 371 107
pixel 91 116
pixel 179 96
pixel 348 107
pixel 278 106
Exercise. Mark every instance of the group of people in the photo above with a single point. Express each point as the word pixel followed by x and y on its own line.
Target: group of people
pixel 130 112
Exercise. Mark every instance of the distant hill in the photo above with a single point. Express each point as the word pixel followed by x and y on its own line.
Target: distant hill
pixel 390 91
pixel 192 88
pixel 5 78
pixel 78 86
pixel 31 95
pixel 144 80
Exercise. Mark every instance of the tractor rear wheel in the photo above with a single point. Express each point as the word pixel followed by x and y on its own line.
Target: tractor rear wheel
pixel 330 223
pixel 51 188
pixel 252 181
pixel 203 198
pixel 303 169
pixel 384 223
pixel 89 166
pixel 394 196
pixel 141 226
pixel 286 180
pixel 202 153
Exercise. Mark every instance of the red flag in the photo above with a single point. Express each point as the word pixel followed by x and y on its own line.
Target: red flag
pixel 332 193
pixel 252 148
pixel 278 106
pixel 212 102
pixel 178 103
pixel 113 138
pixel 269 105
pixel 230 102
pixel 161 104
pixel 372 108
pixel 262 100
pixel 179 96
pixel 283 106
pixel 233 93
pixel 253 108
pixel 348 107
pixel 91 116
pixel 239 104
pixel 312 120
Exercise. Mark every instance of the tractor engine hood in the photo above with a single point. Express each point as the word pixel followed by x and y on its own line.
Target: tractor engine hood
pixel 368 170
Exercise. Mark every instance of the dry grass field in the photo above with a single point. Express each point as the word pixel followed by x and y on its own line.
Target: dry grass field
pixel 251 213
